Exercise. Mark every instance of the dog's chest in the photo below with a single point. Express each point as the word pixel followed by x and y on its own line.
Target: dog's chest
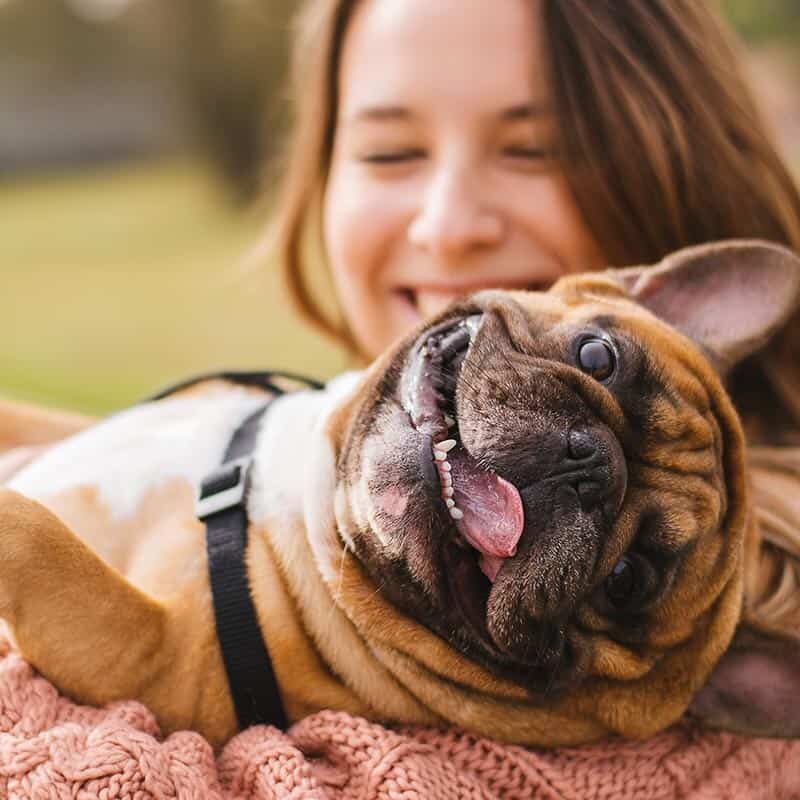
pixel 127 485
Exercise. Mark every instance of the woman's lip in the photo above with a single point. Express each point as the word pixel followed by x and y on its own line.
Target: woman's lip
pixel 428 300
pixel 476 286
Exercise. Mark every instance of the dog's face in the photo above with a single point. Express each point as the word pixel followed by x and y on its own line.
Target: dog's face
pixel 573 422
pixel 554 484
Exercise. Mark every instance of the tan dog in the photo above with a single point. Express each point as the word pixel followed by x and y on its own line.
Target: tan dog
pixel 586 577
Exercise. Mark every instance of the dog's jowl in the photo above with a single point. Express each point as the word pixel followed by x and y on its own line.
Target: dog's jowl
pixel 529 519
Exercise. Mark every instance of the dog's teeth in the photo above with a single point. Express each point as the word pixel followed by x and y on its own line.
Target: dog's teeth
pixel 448 491
pixel 439 455
pixel 446 466
pixel 449 421
pixel 456 513
pixel 447 445
pixel 450 503
pixel 447 479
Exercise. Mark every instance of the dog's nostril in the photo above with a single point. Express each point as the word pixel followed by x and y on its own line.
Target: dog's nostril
pixel 591 494
pixel 581 444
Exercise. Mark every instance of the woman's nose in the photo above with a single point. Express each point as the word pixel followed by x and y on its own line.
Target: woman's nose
pixel 454 219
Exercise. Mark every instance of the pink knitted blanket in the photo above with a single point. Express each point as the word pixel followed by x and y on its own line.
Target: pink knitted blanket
pixel 52 748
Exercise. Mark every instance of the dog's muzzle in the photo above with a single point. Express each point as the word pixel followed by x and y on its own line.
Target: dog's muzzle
pixel 485 508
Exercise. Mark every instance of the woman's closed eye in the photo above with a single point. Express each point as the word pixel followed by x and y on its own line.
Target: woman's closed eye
pixel 529 156
pixel 393 156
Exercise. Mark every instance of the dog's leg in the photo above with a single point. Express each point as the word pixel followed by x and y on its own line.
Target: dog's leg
pixel 77 620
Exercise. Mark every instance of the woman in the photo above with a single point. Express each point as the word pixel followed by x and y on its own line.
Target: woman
pixel 632 133
pixel 444 147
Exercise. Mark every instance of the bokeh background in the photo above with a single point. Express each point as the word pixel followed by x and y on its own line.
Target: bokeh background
pixel 139 147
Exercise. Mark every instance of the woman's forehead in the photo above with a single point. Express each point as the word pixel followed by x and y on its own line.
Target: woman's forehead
pixel 415 55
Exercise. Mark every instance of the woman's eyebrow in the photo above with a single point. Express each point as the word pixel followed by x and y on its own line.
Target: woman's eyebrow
pixel 380 114
pixel 525 111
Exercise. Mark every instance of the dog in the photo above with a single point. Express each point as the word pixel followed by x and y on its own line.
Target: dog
pixel 529 519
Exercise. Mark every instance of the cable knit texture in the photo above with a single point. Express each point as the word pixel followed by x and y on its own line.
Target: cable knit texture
pixel 51 747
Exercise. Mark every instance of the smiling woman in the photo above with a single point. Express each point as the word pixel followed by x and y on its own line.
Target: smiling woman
pixel 445 147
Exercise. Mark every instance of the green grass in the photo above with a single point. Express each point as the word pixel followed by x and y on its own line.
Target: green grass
pixel 117 281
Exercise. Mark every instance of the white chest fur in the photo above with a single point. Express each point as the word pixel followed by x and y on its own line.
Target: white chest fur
pixel 131 452
pixel 128 454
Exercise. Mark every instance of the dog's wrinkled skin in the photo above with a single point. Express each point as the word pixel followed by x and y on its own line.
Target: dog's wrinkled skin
pixel 600 468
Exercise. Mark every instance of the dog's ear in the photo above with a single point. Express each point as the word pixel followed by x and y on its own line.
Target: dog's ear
pixel 755 688
pixel 730 297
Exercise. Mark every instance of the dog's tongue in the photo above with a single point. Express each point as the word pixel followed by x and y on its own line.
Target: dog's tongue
pixel 492 508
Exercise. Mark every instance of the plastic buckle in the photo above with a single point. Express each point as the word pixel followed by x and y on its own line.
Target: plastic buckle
pixel 224 488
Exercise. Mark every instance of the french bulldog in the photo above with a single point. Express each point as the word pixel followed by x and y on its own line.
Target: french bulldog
pixel 529 519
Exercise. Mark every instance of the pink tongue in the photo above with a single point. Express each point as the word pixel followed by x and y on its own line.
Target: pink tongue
pixel 493 516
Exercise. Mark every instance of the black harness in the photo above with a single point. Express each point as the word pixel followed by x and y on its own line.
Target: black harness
pixel 222 505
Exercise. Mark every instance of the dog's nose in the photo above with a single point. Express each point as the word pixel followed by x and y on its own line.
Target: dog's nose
pixel 581 444
pixel 600 474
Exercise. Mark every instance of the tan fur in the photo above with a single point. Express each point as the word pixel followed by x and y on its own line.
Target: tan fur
pixel 125 610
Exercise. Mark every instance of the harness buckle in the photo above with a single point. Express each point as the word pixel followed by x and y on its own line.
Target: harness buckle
pixel 224 488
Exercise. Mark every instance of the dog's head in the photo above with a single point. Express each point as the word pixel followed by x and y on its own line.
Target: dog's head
pixel 554 484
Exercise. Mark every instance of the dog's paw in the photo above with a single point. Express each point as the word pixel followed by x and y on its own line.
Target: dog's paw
pixel 24 525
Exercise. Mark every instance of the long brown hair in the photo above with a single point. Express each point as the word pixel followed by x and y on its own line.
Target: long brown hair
pixel 663 144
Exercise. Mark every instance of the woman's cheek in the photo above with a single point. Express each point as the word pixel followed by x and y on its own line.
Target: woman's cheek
pixel 548 211
pixel 365 222
pixel 363 228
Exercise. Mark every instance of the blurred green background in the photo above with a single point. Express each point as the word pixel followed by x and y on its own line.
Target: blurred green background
pixel 138 144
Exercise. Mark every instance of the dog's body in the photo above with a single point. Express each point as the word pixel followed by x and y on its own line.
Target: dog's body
pixel 608 515
pixel 128 487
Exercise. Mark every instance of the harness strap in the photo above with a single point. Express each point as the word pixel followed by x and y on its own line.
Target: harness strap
pixel 222 506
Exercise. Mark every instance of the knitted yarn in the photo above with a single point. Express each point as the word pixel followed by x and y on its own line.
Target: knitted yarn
pixel 51 747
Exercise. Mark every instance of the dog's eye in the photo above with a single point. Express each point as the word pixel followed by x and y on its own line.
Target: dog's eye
pixel 623 583
pixel 596 358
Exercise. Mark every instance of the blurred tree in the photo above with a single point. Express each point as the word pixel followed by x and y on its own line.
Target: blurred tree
pixel 220 64
pixel 50 35
pixel 233 64
pixel 72 90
